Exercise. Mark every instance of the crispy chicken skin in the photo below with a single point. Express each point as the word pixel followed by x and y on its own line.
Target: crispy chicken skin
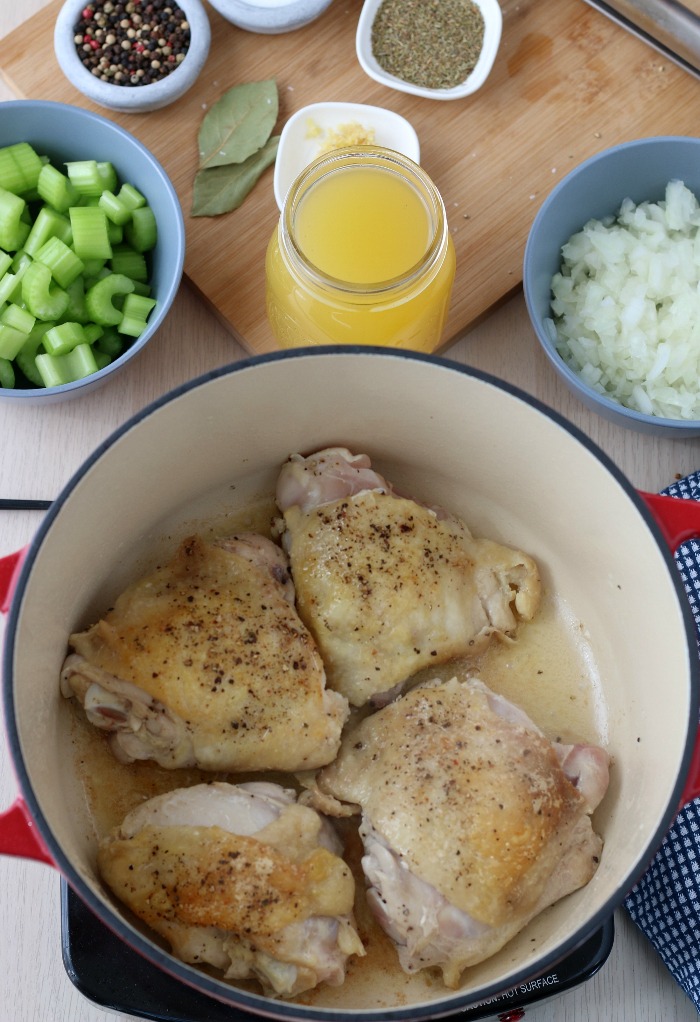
pixel 470 821
pixel 386 585
pixel 240 877
pixel 206 663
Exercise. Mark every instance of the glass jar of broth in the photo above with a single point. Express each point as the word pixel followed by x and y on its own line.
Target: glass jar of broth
pixel 361 255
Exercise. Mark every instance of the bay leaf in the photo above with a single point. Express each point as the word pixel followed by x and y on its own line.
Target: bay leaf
pixel 222 189
pixel 238 124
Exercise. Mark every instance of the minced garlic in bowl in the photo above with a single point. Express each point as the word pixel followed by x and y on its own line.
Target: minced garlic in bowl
pixel 344 135
pixel 322 127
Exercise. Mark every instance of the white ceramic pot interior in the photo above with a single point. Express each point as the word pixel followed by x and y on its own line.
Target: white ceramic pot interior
pixel 448 437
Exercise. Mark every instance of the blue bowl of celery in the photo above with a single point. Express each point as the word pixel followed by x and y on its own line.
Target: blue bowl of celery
pixel 92 247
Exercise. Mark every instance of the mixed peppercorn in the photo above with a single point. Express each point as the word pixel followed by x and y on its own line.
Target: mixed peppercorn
pixel 136 42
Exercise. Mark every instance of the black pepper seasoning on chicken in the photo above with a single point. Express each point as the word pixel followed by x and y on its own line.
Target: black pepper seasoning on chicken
pixel 387 585
pixel 205 662
pixel 472 820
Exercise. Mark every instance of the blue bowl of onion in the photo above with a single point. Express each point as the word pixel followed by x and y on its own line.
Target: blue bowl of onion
pixel 611 278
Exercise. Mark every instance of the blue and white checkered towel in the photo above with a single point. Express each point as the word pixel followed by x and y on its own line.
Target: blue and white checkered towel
pixel 665 904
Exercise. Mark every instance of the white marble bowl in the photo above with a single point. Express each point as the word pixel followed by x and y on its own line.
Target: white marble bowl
pixel 493 23
pixel 136 98
pixel 270 17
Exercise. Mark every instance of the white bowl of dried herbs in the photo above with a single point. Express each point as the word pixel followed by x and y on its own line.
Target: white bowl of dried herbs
pixel 132 57
pixel 439 51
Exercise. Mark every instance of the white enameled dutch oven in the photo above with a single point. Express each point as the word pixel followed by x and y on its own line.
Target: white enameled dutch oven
pixel 514 470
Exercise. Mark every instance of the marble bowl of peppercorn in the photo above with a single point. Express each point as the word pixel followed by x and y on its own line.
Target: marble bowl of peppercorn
pixel 132 57
pixel 438 51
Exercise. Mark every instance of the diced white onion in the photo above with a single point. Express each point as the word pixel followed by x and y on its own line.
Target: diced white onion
pixel 626 305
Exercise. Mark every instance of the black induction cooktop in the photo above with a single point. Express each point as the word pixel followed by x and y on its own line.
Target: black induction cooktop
pixel 115 977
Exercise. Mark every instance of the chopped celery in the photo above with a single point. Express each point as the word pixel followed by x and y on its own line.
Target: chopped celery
pixel 15 316
pixel 21 261
pixel 43 298
pixel 92 177
pixel 93 267
pixel 7 374
pixel 13 228
pixel 131 197
pixel 11 285
pixel 26 356
pixel 93 332
pixel 111 342
pixel 102 359
pixel 108 175
pixel 19 237
pixel 89 281
pixel 138 305
pixel 116 211
pixel 99 299
pixel 90 237
pixel 74 290
pixel 135 314
pixel 85 177
pixel 141 232
pixel 51 370
pixel 56 370
pixel 56 189
pixel 115 233
pixel 76 309
pixel 47 224
pixel 132 326
pixel 20 167
pixel 127 260
pixel 63 337
pixel 64 264
pixel 11 340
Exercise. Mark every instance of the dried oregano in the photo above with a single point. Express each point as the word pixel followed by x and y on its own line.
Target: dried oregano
pixel 431 43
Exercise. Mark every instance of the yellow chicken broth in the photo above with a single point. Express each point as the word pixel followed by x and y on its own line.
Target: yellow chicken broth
pixel 549 671
pixel 372 267
pixel 363 226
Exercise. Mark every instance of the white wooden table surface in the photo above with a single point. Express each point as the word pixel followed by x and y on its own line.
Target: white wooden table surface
pixel 40 451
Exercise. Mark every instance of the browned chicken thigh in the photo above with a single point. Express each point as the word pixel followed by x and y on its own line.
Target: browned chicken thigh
pixel 472 821
pixel 240 877
pixel 206 663
pixel 386 585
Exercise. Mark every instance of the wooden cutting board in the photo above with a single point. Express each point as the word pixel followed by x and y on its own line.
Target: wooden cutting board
pixel 567 83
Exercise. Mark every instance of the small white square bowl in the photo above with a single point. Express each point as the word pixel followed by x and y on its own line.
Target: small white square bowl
pixel 493 24
pixel 298 146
